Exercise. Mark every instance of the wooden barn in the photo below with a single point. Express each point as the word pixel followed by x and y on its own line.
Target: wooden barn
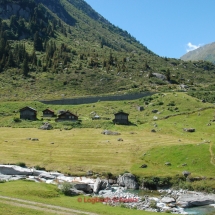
pixel 28 113
pixel 121 118
pixel 48 113
pixel 67 116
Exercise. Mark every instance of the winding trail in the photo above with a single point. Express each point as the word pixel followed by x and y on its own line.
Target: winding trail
pixel 42 207
pixel 212 155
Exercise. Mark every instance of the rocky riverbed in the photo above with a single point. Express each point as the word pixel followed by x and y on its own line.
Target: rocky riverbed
pixel 114 193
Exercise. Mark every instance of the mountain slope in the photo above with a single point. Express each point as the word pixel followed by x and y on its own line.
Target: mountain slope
pixel 206 52
pixel 63 48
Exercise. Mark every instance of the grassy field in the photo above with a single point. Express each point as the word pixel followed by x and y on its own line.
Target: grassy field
pixel 81 147
pixel 48 194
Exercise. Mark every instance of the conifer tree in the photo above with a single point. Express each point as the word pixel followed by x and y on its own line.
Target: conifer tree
pixel 25 67
pixel 38 45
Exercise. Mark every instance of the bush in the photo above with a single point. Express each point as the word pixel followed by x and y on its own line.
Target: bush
pixel 66 188
pixel 37 167
pixel 16 119
pixel 153 204
pixel 21 164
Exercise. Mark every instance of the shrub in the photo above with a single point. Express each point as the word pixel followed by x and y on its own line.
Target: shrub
pixel 66 188
pixel 153 204
pixel 37 167
pixel 21 164
pixel 16 119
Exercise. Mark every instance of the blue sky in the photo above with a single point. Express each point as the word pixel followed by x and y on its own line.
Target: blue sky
pixel 169 28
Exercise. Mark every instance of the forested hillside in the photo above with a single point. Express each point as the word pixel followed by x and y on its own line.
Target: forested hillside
pixel 63 48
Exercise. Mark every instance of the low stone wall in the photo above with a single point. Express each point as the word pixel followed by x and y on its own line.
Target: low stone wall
pixel 93 99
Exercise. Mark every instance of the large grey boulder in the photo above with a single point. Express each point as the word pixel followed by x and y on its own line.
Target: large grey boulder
pixel 159 76
pixel 84 187
pixel 46 126
pixel 14 170
pixel 167 199
pixel 47 176
pixel 192 199
pixel 108 132
pixel 128 180
pixel 105 185
pixel 97 185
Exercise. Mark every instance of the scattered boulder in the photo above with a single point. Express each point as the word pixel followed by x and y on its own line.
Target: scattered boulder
pixel 107 132
pixel 46 126
pixel 167 199
pixel 34 139
pixel 168 164
pixel 143 166
pixel 120 139
pixel 46 176
pixel 154 111
pixel 186 173
pixel 159 76
pixel 128 180
pixel 153 130
pixel 189 129
pixel 89 173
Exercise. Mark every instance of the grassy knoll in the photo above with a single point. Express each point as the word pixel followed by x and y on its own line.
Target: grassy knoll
pixel 49 194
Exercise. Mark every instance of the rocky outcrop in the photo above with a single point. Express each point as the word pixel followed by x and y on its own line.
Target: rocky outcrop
pixel 192 199
pixel 84 187
pixel 128 180
pixel 97 185
pixel 14 170
pixel 46 126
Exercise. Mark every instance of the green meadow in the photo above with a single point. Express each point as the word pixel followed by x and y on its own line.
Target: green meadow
pixel 75 148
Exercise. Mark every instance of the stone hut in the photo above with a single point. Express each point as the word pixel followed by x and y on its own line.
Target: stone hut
pixel 48 113
pixel 121 118
pixel 67 116
pixel 28 113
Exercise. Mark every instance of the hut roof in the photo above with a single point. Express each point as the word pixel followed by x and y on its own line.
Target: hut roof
pixel 27 107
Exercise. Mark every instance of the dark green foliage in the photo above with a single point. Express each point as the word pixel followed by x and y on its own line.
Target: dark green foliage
pixel 38 44
pixel 25 68
pixel 21 164
pixel 84 53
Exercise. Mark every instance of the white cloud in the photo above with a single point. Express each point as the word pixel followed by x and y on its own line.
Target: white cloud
pixel 191 47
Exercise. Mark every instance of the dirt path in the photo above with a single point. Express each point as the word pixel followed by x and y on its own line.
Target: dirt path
pixel 42 207
pixel 212 154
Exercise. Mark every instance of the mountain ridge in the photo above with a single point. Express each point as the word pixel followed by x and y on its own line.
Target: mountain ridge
pixel 206 52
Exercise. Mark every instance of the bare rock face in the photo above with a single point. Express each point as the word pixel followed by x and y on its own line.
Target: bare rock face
pixel 84 187
pixel 97 185
pixel 14 170
pixel 128 180
pixel 193 199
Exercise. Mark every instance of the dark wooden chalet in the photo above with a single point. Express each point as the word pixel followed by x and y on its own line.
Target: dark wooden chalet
pixel 28 113
pixel 67 116
pixel 48 113
pixel 121 118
